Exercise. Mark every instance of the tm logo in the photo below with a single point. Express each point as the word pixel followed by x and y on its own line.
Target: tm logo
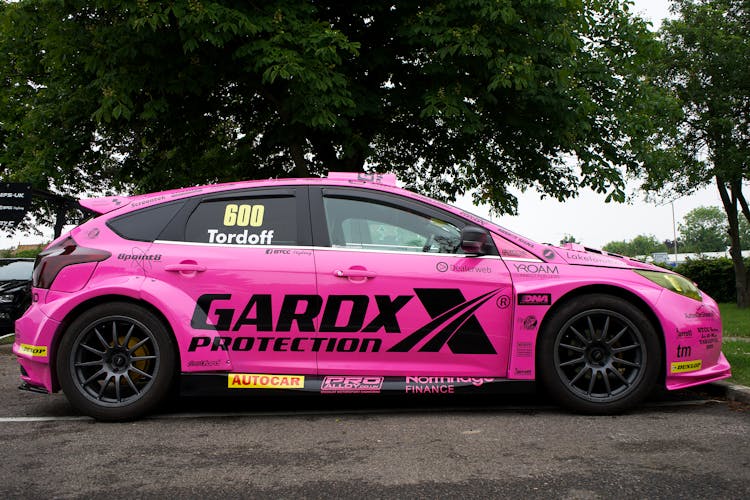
pixel 684 351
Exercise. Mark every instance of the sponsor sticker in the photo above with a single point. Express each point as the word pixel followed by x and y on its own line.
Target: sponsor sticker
pixel 442 385
pixel 351 385
pixel 34 350
pixel 524 349
pixel 687 366
pixel 539 271
pixel 264 381
pixel 534 299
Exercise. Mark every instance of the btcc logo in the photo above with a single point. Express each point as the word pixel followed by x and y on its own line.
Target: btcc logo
pixel 452 322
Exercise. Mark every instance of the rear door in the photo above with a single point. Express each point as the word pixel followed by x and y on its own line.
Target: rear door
pixel 400 296
pixel 236 271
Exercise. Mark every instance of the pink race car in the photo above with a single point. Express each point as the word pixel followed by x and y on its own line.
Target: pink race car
pixel 346 285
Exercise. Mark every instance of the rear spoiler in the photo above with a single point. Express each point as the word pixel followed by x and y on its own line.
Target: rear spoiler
pixel 106 204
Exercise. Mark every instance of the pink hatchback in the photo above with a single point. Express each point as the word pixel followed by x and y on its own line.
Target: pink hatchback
pixel 346 285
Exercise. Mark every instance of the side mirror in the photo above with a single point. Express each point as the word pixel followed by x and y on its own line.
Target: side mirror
pixel 473 240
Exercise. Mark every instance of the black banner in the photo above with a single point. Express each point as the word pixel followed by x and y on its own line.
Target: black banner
pixel 15 200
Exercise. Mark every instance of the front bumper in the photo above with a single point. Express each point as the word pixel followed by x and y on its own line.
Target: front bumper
pixel 718 371
pixel 692 341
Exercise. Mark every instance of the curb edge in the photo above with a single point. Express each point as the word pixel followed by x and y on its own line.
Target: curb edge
pixel 733 392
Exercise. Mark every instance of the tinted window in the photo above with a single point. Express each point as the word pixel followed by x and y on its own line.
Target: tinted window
pixel 145 224
pixel 369 225
pixel 16 270
pixel 245 221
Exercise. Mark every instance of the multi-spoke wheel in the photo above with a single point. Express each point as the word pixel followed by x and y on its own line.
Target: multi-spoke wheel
pixel 116 361
pixel 599 354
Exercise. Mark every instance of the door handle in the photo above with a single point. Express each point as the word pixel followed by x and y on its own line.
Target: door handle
pixel 185 268
pixel 354 273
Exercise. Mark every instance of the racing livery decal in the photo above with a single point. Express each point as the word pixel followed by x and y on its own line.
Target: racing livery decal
pixel 453 323
pixel 351 385
pixel 441 385
pixel 263 381
pixel 686 366
pixel 33 350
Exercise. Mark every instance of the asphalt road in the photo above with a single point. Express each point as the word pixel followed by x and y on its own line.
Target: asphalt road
pixel 678 445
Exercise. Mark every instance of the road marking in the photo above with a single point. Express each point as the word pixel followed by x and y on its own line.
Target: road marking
pixel 40 419
pixel 370 411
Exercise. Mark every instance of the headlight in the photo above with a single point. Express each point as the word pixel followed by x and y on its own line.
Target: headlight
pixel 7 298
pixel 675 282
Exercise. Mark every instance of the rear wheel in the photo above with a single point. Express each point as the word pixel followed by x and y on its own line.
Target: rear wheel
pixel 599 354
pixel 116 361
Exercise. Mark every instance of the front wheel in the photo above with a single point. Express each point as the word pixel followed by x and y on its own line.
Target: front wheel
pixel 599 354
pixel 116 361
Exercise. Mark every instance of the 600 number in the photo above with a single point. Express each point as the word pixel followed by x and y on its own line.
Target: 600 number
pixel 244 215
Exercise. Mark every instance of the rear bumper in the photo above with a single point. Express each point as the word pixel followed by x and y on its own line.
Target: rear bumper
pixel 33 349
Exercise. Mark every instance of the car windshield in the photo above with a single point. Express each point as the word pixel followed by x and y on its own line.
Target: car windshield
pixel 16 270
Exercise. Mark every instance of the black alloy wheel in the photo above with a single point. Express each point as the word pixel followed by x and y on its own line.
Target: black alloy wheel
pixel 599 354
pixel 116 362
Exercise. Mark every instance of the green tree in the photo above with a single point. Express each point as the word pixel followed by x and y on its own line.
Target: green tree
pixel 704 229
pixel 643 244
pixel 744 231
pixel 568 238
pixel 707 65
pixel 452 95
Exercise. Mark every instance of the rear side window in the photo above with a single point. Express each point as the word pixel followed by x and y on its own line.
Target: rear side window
pixel 145 224
pixel 263 220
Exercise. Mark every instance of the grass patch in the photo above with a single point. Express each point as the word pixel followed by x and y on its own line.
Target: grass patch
pixel 7 340
pixel 735 322
pixel 738 354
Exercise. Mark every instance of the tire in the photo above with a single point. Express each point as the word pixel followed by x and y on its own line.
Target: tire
pixel 599 354
pixel 116 362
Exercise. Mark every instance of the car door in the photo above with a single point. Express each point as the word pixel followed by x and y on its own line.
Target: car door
pixel 237 272
pixel 400 296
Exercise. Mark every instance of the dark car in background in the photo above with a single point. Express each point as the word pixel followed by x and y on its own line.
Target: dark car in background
pixel 15 291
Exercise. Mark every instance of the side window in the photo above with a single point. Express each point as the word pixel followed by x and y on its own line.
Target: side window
pixel 144 224
pixel 374 226
pixel 267 220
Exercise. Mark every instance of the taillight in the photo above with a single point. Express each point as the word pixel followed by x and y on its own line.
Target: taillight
pixel 65 253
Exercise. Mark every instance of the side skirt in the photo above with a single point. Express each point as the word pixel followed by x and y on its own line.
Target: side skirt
pixel 214 384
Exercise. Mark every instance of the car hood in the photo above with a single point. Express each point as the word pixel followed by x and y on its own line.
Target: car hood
pixel 579 255
pixel 13 286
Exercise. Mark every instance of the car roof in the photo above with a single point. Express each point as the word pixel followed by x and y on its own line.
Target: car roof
pixel 103 205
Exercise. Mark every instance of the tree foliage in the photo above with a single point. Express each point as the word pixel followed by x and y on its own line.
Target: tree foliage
pixel 704 229
pixel 707 65
pixel 452 95
pixel 641 245
pixel 568 238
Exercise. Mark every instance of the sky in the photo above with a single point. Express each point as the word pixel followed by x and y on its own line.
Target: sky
pixel 587 217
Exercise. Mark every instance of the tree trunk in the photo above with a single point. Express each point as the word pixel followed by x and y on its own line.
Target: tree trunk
pixel 61 210
pixel 300 165
pixel 729 199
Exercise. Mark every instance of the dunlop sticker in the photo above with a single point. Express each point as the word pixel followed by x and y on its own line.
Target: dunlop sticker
pixel 34 350
pixel 687 366
pixel 262 381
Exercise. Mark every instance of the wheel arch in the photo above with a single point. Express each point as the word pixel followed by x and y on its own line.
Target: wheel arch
pixel 615 291
pixel 93 302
